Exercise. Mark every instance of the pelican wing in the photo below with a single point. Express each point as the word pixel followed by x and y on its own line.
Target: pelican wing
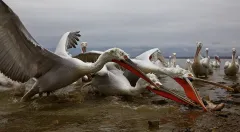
pixel 226 65
pixel 21 56
pixel 147 54
pixel 67 41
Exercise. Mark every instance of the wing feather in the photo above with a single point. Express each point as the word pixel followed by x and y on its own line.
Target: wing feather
pixel 21 58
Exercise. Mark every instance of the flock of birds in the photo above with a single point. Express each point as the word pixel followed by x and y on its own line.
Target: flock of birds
pixel 111 72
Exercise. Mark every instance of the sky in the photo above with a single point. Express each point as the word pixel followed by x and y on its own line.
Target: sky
pixel 134 23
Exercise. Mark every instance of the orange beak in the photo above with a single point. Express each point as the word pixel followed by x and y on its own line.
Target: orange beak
pixel 190 91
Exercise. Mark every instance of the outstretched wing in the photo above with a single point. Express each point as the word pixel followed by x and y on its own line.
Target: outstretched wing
pixel 68 40
pixel 153 55
pixel 21 57
pixel 90 56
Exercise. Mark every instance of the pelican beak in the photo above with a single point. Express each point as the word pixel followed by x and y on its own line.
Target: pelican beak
pixel 128 64
pixel 190 91
pixel 213 83
pixel 166 93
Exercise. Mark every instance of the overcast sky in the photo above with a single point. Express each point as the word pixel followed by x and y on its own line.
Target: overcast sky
pixel 160 23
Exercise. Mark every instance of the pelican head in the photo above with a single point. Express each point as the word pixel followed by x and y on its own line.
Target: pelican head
pixel 153 78
pixel 217 58
pixel 188 61
pixel 84 46
pixel 116 53
pixel 174 54
pixel 234 51
pixel 199 47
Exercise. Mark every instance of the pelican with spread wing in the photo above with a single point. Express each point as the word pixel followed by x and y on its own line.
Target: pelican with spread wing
pixel 23 58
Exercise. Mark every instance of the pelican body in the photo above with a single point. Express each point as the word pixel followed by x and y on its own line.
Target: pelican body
pixel 110 81
pixel 231 68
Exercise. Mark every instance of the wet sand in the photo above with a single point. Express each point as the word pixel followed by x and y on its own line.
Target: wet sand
pixel 74 110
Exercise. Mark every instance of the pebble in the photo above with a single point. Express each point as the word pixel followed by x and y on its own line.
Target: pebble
pixel 153 124
pixel 159 102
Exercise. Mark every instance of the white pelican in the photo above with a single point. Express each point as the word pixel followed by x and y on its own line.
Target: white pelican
pixel 231 68
pixel 210 68
pixel 23 58
pixel 84 46
pixel 217 62
pixel 189 65
pixel 84 49
pixel 181 76
pixel 174 60
pixel 238 60
pixel 170 61
pixel 200 67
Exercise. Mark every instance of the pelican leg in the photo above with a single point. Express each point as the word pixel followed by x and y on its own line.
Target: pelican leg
pixel 34 90
pixel 206 75
pixel 40 94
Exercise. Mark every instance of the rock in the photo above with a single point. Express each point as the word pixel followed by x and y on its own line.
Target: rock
pixel 236 100
pixel 159 102
pixel 222 82
pixel 153 124
pixel 234 85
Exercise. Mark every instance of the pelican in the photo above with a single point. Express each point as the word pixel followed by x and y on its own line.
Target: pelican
pixel 84 49
pixel 170 61
pixel 200 67
pixel 84 46
pixel 189 65
pixel 174 60
pixel 181 76
pixel 238 60
pixel 22 58
pixel 207 62
pixel 216 63
pixel 111 81
pixel 231 68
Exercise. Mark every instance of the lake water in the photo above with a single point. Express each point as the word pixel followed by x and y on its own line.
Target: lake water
pixel 74 110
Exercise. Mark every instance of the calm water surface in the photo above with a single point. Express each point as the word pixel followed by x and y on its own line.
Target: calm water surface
pixel 78 111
